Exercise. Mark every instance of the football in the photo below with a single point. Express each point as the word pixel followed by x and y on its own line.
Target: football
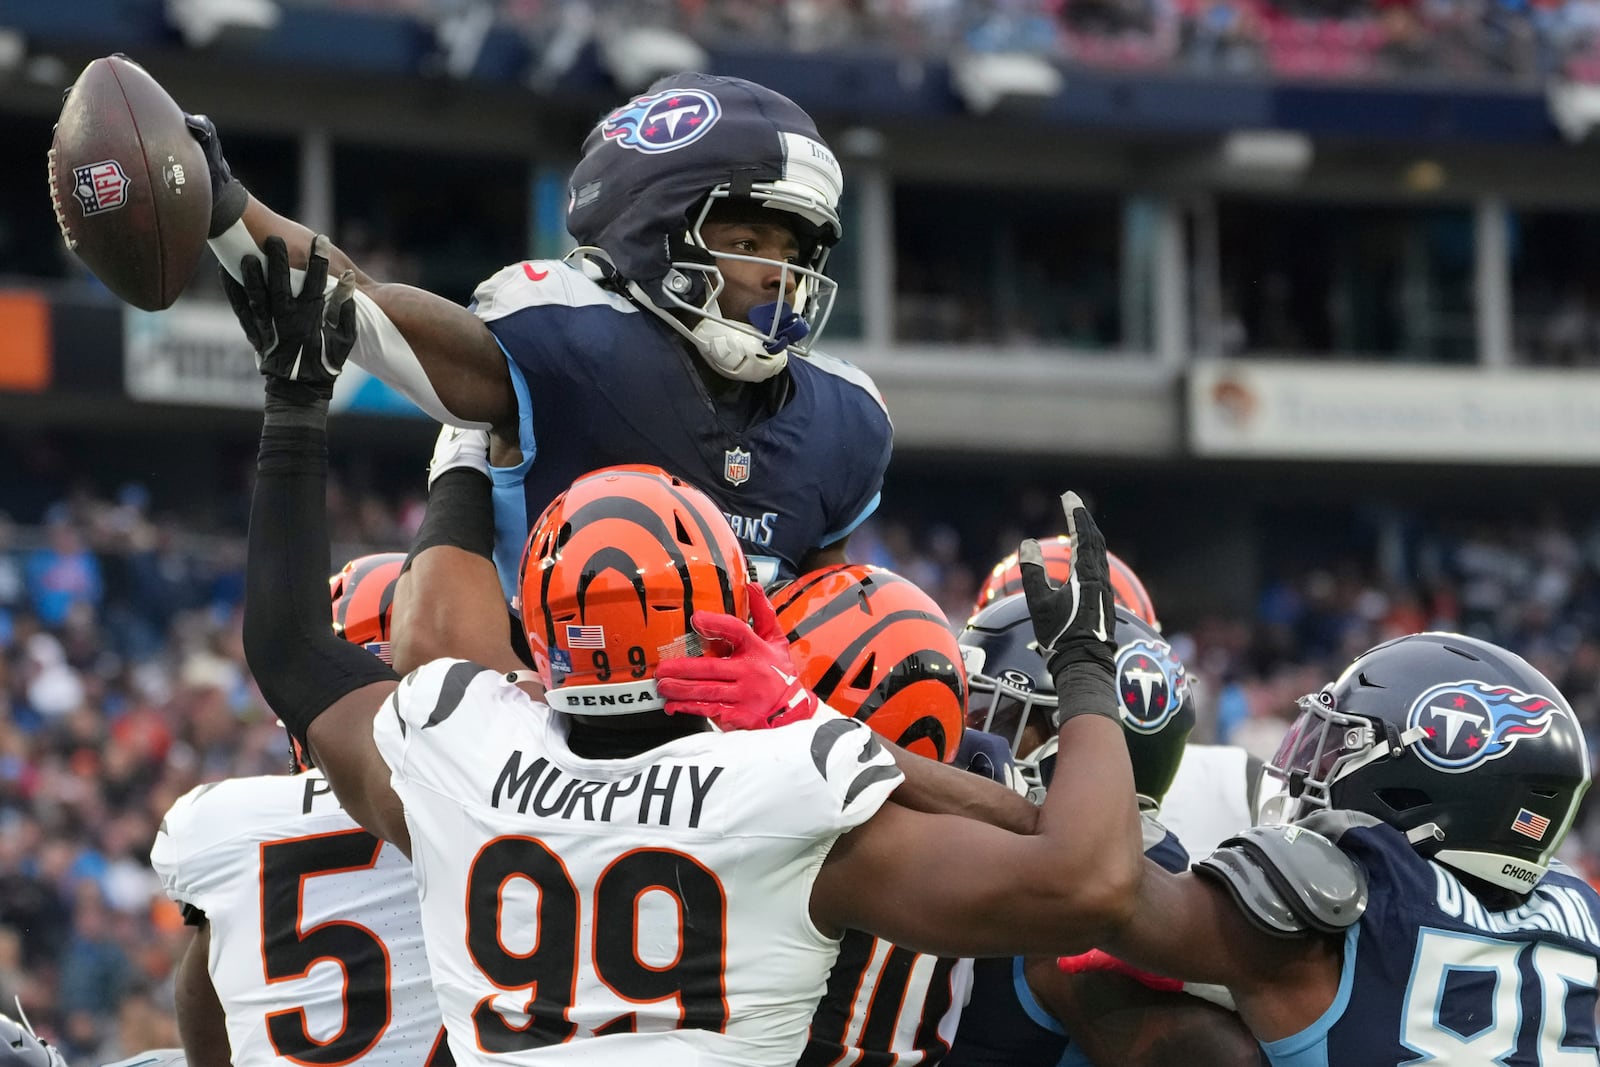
pixel 129 184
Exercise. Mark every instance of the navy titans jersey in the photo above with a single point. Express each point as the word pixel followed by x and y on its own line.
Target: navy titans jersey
pixel 600 382
pixel 1004 1025
pixel 1432 976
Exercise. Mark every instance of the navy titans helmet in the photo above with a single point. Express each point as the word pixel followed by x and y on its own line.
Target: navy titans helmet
pixel 1461 745
pixel 1008 681
pixel 651 172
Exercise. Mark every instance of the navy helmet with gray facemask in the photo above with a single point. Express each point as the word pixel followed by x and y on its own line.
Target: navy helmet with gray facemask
pixel 1460 744
pixel 655 168
pixel 1010 686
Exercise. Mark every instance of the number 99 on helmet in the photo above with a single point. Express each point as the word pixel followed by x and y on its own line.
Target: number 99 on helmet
pixel 613 571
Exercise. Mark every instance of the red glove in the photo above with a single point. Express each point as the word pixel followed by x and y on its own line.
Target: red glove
pixel 752 687
pixel 1095 960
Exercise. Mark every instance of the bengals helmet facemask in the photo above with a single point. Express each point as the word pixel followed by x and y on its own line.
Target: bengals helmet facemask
pixel 613 571
pixel 873 646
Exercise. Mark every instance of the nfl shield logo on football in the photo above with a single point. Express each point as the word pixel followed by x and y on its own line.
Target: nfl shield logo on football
pixel 100 186
pixel 736 466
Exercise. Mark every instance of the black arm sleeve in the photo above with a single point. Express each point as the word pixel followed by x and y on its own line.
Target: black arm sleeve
pixel 460 514
pixel 289 643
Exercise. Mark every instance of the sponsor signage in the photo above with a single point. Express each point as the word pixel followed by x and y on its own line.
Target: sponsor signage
pixel 1304 410
pixel 195 353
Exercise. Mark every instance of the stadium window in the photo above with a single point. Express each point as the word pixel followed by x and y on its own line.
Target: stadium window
pixel 1361 281
pixel 844 267
pixel 1555 287
pixel 1012 266
pixel 443 222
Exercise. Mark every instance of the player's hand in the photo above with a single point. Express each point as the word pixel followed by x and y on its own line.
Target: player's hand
pixel 228 194
pixel 1096 960
pixel 754 686
pixel 1076 622
pixel 456 448
pixel 304 338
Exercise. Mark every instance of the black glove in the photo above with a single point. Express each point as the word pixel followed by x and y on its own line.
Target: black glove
pixel 303 339
pixel 1075 623
pixel 228 194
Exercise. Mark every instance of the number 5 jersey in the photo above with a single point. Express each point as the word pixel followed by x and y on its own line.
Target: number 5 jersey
pixel 316 943
pixel 651 909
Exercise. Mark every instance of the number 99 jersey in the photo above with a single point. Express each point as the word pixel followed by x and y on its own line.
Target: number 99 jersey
pixel 316 941
pixel 653 909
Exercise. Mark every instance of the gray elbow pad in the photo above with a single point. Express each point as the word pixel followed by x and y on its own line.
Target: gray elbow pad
pixel 1289 880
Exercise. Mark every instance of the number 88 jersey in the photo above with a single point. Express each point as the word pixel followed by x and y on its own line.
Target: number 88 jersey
pixel 649 909
pixel 316 941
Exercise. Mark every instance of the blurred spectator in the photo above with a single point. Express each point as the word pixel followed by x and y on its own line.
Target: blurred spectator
pixel 63 573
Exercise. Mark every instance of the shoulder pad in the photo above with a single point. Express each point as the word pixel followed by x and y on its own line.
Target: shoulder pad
pixel 1334 823
pixel 1289 880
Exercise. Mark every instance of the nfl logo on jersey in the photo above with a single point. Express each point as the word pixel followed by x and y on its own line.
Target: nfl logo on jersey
pixel 736 465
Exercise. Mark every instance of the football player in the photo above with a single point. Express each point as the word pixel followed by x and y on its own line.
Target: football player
pixel 1414 912
pixel 308 945
pixel 872 645
pixel 1029 1012
pixel 1217 788
pixel 704 211
pixel 605 878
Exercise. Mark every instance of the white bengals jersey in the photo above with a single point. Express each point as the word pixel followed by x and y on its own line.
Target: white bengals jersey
pixel 649 910
pixel 316 939
pixel 887 1006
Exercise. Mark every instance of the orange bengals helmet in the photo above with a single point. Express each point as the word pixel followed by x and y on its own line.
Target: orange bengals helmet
pixel 612 572
pixel 1126 588
pixel 873 646
pixel 363 601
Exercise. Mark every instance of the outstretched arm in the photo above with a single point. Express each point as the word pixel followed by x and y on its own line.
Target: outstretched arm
pixel 324 689
pixel 940 789
pixel 1073 884
pixel 448 601
pixel 433 350
pixel 1188 927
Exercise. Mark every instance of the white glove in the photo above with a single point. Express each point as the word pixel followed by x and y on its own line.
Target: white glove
pixel 456 447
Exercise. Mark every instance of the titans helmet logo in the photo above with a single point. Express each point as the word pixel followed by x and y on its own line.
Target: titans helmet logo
pixel 1468 723
pixel 663 122
pixel 1151 685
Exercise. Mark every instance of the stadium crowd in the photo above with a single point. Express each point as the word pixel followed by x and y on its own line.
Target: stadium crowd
pixel 123 684
pixel 1507 40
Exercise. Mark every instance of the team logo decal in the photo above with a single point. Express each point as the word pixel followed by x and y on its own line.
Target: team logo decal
pixel 1015 679
pixel 736 466
pixel 1151 683
pixel 100 186
pixel 663 122
pixel 1469 722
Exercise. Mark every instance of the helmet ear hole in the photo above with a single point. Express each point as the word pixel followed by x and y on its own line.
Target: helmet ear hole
pixel 863 678
pixel 1401 799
